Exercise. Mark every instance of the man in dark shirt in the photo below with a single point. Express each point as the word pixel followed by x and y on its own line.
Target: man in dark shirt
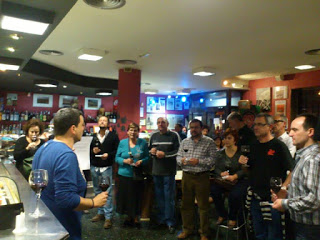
pixel 103 149
pixel 269 157
pixel 164 146
pixel 178 129
pixel 246 135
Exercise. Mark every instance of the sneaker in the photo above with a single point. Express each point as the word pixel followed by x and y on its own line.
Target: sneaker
pixel 172 229
pixel 107 224
pixel 97 218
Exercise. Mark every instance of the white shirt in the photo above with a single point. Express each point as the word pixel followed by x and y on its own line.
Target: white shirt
pixel 287 140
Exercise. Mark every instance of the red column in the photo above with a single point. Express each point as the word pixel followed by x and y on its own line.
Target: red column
pixel 129 100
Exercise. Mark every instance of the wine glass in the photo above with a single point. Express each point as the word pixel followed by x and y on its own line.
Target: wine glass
pixel 104 183
pixel 38 180
pixel 245 150
pixel 275 184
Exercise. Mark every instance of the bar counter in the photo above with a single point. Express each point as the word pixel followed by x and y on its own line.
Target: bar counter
pixel 46 227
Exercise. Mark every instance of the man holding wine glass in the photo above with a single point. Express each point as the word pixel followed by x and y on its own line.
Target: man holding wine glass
pixel 103 149
pixel 303 200
pixel 268 157
pixel 64 194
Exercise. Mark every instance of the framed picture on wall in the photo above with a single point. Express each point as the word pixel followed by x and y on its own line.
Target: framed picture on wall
pixel 67 101
pixel 178 104
pixel 186 105
pixel 42 100
pixel 156 104
pixel 173 119
pixel 170 103
pixel 280 92
pixel 280 107
pixel 12 99
pixel 263 98
pixel 152 120
pixel 92 103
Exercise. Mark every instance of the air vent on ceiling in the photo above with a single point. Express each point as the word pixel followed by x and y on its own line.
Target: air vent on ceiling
pixel 51 52
pixel 106 4
pixel 127 62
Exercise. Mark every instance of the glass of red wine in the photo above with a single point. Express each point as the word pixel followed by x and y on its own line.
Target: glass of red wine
pixel 38 180
pixel 245 150
pixel 275 184
pixel 104 183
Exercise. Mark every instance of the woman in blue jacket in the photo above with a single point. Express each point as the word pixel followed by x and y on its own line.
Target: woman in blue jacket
pixel 132 153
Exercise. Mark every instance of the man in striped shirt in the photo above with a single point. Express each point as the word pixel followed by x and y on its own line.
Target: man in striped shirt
pixel 303 200
pixel 164 146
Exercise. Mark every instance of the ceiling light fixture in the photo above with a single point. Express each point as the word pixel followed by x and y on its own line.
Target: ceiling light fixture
pixel 203 72
pixel 21 18
pixel 106 4
pixel 91 54
pixel 150 91
pixel 15 36
pixel 10 63
pixel 46 83
pixel 104 92
pixel 313 52
pixel 183 92
pixel 64 86
pixel 11 49
pixel 126 61
pixel 225 82
pixel 304 67
pixel 51 52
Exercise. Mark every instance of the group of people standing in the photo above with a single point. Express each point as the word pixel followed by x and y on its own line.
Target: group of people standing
pixel 270 155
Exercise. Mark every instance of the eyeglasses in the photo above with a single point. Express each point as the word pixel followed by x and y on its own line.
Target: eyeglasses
pixel 259 124
pixel 277 121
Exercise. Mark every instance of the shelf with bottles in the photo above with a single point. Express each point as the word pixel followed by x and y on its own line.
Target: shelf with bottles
pixel 15 116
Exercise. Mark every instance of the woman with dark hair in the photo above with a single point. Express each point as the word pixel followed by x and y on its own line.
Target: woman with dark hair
pixel 230 178
pixel 218 141
pixel 131 154
pixel 26 146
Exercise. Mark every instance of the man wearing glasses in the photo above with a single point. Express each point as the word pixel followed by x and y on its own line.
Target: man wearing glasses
pixel 269 157
pixel 279 131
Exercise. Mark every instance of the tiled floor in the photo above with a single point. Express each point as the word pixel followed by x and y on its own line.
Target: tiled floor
pixel 95 230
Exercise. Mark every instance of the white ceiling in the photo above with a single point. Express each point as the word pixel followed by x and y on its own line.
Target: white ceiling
pixel 235 37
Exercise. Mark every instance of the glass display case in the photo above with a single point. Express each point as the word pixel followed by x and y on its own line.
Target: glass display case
pixel 10 203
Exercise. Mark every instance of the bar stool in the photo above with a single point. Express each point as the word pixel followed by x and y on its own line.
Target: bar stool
pixel 240 225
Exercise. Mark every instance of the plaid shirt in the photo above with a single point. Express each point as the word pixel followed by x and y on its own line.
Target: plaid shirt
pixel 204 150
pixel 303 200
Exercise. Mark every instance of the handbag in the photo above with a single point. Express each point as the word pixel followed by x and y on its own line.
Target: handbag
pixel 137 171
pixel 224 183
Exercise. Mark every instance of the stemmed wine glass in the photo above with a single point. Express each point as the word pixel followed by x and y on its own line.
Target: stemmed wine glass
pixel 275 184
pixel 104 183
pixel 38 180
pixel 245 150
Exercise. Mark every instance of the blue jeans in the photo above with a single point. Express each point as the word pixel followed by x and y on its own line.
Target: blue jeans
pixel 306 232
pixel 164 190
pixel 106 210
pixel 265 230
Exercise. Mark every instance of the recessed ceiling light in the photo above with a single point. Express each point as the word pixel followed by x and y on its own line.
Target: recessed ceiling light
pixel 51 52
pixel 203 72
pixel 22 25
pixel 233 84
pixel 150 91
pixel 313 52
pixel 4 67
pixel 106 4
pixel 91 54
pixel 64 86
pixel 304 67
pixel 225 82
pixel 104 92
pixel 15 36
pixel 81 92
pixel 46 83
pixel 19 74
pixel 11 49
pixel 126 61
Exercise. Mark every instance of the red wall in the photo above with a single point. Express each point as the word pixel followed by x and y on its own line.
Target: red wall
pixel 299 80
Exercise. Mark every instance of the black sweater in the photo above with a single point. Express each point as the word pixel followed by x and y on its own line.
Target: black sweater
pixel 109 145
